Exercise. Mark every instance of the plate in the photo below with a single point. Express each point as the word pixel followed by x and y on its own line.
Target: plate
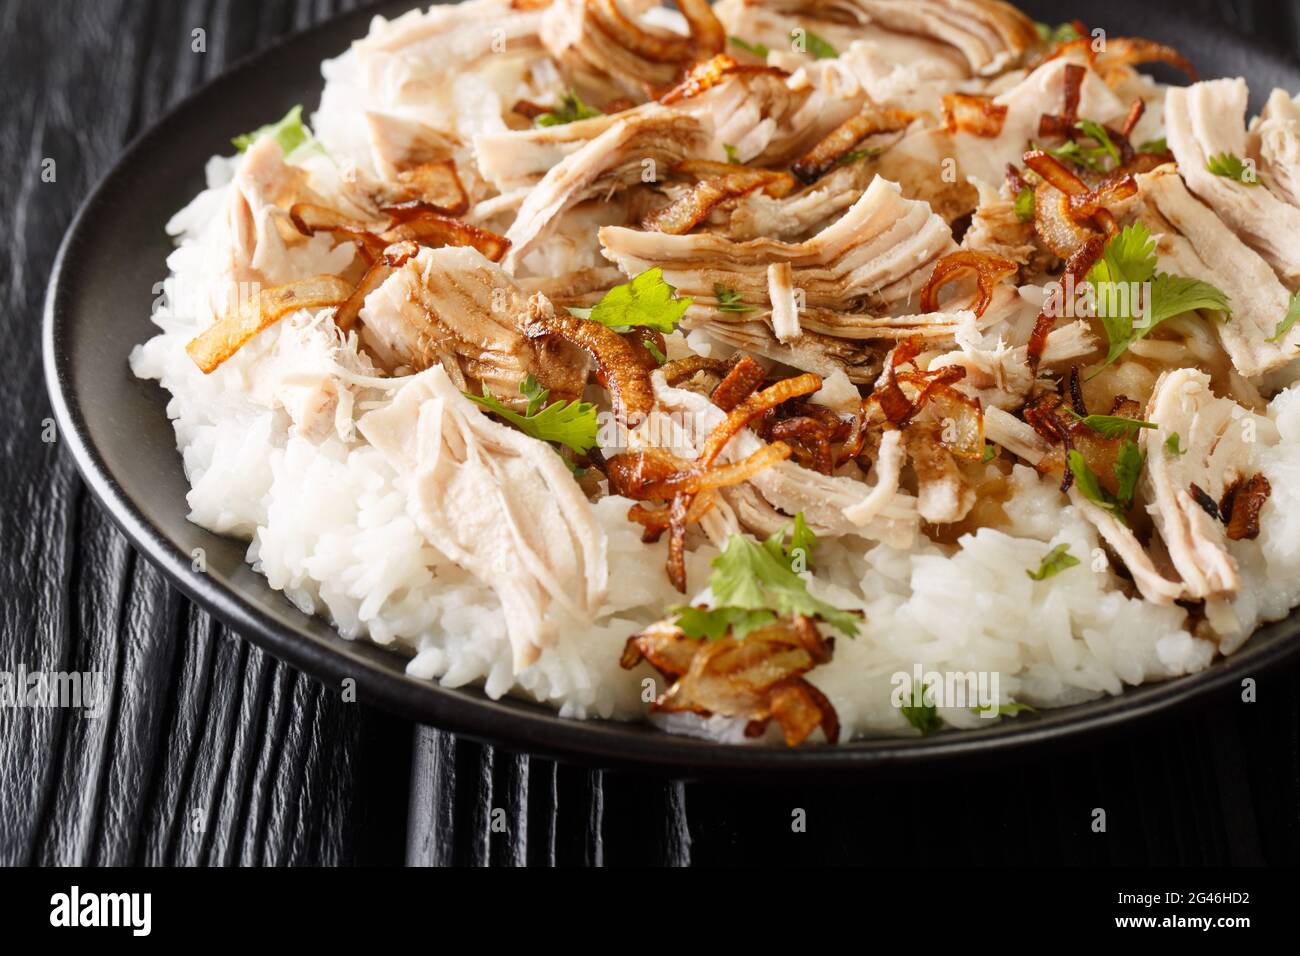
pixel 98 306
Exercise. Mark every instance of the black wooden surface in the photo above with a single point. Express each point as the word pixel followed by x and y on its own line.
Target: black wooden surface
pixel 212 752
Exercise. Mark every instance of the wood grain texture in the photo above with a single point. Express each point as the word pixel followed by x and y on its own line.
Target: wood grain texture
pixel 210 752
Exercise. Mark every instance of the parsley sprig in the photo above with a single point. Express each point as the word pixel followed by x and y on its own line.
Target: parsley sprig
pixel 289 131
pixel 572 424
pixel 1128 467
pixel 1231 166
pixel 1055 561
pixel 754 583
pixel 645 302
pixel 570 110
pixel 1127 265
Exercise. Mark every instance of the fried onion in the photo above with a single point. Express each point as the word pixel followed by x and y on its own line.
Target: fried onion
pixel 228 334
pixel 989 270
pixel 822 158
pixel 970 113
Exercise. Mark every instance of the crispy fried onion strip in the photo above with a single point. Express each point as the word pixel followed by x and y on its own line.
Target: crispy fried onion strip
pixel 708 74
pixel 720 182
pixel 1049 416
pixel 1050 124
pixel 758 678
pixel 707 36
pixel 1064 204
pixel 1076 271
pixel 1135 50
pixel 410 220
pixel 902 397
pixel 818 161
pixel 393 258
pixel 643 475
pixel 1240 506
pixel 437 185
pixel 989 271
pixel 975 114
pixel 228 334
pixel 618 363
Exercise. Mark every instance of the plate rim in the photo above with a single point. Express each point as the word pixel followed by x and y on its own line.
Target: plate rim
pixel 515 723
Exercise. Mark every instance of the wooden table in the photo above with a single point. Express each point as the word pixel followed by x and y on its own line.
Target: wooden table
pixel 213 752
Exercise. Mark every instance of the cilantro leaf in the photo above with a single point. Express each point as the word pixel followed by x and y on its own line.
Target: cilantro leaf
pixel 990 452
pixel 647 301
pixel 757 49
pixel 1111 426
pixel 799 555
pixel 570 110
pixel 1173 446
pixel 1128 468
pixel 729 300
pixel 1025 205
pixel 1090 486
pixel 716 622
pixel 1284 326
pixel 572 424
pixel 289 132
pixel 857 155
pixel 1071 152
pixel 1097 132
pixel 731 153
pixel 748 576
pixel 1176 295
pixel 920 714
pixel 1132 298
pixel 1230 166
pixel 1056 561
pixel 815 46
pixel 1061 33
pixel 1160 145
pixel 1010 709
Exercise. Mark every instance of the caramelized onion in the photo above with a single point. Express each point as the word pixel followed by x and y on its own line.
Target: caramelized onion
pixel 1063 125
pixel 989 270
pixel 822 158
pixel 616 359
pixel 228 334
pixel 686 212
pixel 969 113
pixel 434 229
pixel 437 185
pixel 757 678
pixel 1241 505
pixel 741 381
pixel 1135 50
pixel 708 74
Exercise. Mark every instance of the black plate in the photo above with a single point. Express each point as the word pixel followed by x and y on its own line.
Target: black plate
pixel 98 308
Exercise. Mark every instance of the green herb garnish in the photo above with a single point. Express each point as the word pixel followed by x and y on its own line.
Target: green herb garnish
pixel 1154 146
pixel 921 715
pixel 572 424
pixel 1127 265
pixel 645 302
pixel 289 132
pixel 753 584
pixel 731 153
pixel 757 49
pixel 1285 324
pixel 1231 167
pixel 1173 446
pixel 1053 35
pixel 729 300
pixel 1128 467
pixel 1025 205
pixel 1056 561
pixel 815 46
pixel 570 110
pixel 1111 426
